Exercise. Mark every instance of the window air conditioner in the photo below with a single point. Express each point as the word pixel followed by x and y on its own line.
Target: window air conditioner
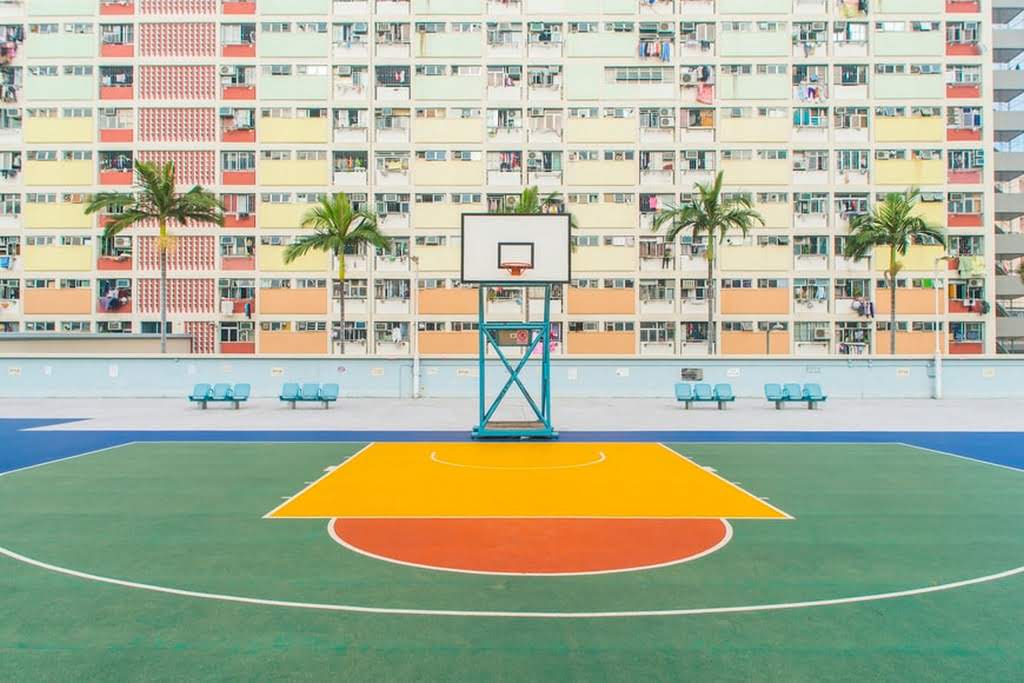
pixel 666 122
pixel 686 77
pixel 665 111
pixel 975 283
pixel 122 241
pixel 665 26
pixel 536 111
pixel 344 70
pixel 820 333
pixel 114 326
pixel 227 70
pixel 227 112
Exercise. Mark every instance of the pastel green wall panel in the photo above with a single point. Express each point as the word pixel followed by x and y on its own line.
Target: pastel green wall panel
pixel 910 43
pixel 751 44
pixel 448 6
pixel 74 45
pixel 447 88
pixel 62 8
pixel 293 87
pixel 583 81
pixel 287 7
pixel 448 44
pixel 754 6
pixel 909 86
pixel 910 7
pixel 293 44
pixel 602 6
pixel 60 87
pixel 623 45
pixel 754 87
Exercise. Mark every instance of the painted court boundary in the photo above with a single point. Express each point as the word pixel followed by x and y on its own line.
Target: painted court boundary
pixel 399 611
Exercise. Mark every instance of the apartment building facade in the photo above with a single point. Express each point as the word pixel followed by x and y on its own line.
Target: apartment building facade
pixel 422 110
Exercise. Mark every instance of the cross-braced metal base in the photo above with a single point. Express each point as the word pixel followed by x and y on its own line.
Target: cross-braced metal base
pixel 531 336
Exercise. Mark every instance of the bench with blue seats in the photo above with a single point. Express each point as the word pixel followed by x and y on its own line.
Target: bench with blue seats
pixel 810 393
pixel 704 393
pixel 203 394
pixel 294 393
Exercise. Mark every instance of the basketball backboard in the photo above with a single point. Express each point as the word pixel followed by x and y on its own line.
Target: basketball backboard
pixel 514 248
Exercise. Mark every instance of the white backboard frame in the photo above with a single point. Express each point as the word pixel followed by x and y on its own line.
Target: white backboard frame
pixel 548 233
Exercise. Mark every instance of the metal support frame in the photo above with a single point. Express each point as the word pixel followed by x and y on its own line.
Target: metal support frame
pixel 539 334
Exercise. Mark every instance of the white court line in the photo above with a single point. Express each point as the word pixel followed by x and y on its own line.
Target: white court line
pixel 70 457
pixel 736 486
pixel 721 544
pixel 766 607
pixel 602 458
pixel 288 499
pixel 963 457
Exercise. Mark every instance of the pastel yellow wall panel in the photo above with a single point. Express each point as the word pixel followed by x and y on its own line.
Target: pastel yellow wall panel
pixel 919 257
pixel 602 215
pixel 56 216
pixel 913 129
pixel 281 215
pixel 601 173
pixel 436 173
pixel 292 130
pixel 601 130
pixel 910 172
pixel 754 257
pixel 604 258
pixel 447 130
pixel 271 258
pixel 54 130
pixel 756 129
pixel 438 215
pixel 282 173
pixel 432 259
pixel 775 215
pixel 933 212
pixel 58 173
pixel 756 171
pixel 57 258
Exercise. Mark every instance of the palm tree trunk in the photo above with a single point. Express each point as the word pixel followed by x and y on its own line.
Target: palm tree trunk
pixel 710 255
pixel 892 301
pixel 341 303
pixel 163 246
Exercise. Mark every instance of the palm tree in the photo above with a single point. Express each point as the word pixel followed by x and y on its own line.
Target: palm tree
pixel 337 225
pixel 706 213
pixel 154 198
pixel 530 201
pixel 891 223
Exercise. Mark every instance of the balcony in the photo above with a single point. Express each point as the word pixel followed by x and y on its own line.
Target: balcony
pixel 271 259
pixel 238 91
pixel 447 301
pixel 590 301
pixel 1007 43
pixel 63 214
pixel 242 7
pixel 1009 286
pixel 600 343
pixel 289 342
pixel 1008 166
pixel 114 299
pixel 1008 207
pixel 238 178
pixel 117 7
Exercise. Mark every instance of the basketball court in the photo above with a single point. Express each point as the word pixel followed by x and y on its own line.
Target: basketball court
pixel 468 545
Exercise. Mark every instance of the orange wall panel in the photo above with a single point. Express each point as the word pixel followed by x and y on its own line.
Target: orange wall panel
pixel 77 300
pixel 287 342
pixel 288 301
pixel 601 343
pixel 449 342
pixel 755 300
pixel 588 300
pixel 458 300
pixel 753 343
pixel 908 301
pixel 906 342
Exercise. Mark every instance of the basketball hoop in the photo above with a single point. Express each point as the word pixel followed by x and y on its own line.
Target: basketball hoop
pixel 516 268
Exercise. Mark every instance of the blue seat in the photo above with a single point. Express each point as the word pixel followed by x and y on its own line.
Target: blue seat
pixel 684 393
pixel 309 392
pixel 200 394
pixel 792 392
pixel 723 394
pixel 289 393
pixel 328 393
pixel 240 394
pixel 702 392
pixel 773 392
pixel 221 392
pixel 813 395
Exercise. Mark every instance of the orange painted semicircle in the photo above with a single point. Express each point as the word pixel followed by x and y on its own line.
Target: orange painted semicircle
pixel 532 545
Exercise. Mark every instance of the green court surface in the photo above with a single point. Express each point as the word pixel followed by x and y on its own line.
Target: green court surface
pixel 868 520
